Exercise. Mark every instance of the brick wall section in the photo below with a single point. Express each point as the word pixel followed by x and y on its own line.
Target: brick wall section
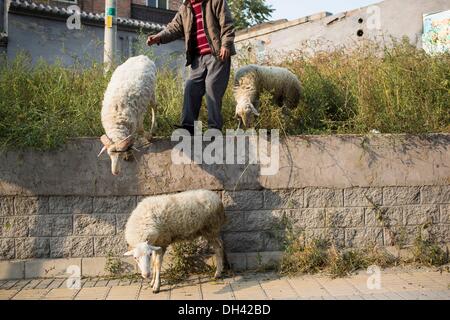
pixel 98 6
pixel 123 7
pixel 173 4
pixel 74 226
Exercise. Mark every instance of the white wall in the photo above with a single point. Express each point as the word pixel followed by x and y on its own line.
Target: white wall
pixel 398 18
pixel 51 40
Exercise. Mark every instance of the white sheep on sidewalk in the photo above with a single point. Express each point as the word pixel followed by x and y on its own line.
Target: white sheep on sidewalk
pixel 251 80
pixel 130 92
pixel 161 220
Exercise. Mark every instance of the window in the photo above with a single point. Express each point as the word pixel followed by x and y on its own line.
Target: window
pixel 260 51
pixel 161 4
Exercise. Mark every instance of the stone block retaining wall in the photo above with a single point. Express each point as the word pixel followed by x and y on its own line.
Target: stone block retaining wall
pixel 351 189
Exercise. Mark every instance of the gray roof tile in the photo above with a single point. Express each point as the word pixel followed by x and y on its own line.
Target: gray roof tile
pixel 29 5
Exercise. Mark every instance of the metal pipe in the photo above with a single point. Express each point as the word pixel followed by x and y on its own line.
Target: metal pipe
pixel 110 34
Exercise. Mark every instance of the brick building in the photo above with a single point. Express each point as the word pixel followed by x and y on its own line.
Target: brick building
pixel 40 28
pixel 160 11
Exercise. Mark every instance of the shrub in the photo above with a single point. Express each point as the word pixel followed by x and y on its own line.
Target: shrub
pixel 186 259
pixel 309 258
pixel 428 253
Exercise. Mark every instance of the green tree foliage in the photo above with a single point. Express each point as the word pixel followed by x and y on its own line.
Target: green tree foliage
pixel 247 13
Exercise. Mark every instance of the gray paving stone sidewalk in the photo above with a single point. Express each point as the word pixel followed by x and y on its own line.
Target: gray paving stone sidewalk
pixel 395 285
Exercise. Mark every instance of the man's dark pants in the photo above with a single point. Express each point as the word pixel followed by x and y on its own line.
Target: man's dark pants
pixel 210 76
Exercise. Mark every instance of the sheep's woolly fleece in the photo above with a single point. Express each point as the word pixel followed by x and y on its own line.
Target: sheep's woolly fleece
pixel 161 220
pixel 251 80
pixel 130 92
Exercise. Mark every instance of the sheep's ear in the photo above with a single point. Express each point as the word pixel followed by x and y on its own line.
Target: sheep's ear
pixel 129 253
pixel 125 143
pixel 255 112
pixel 244 120
pixel 154 248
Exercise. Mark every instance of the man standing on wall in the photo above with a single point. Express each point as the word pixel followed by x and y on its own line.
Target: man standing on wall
pixel 208 29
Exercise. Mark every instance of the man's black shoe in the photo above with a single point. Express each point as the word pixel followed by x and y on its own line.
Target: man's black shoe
pixel 190 129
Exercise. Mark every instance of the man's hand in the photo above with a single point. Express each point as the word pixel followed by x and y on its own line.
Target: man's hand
pixel 155 39
pixel 224 54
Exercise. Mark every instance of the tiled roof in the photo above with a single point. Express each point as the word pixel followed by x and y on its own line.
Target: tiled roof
pixel 63 12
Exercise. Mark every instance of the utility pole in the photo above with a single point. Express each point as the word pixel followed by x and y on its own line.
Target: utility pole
pixel 4 6
pixel 2 14
pixel 110 34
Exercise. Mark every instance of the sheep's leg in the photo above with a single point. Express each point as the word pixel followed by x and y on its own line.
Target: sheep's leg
pixel 148 135
pixel 156 276
pixel 141 131
pixel 152 265
pixel 154 123
pixel 217 245
pixel 158 264
pixel 153 111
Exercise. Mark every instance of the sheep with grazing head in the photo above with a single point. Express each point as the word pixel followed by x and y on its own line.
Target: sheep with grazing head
pixel 130 92
pixel 251 80
pixel 161 220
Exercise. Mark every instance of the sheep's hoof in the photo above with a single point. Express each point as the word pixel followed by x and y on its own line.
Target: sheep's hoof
pixel 128 157
pixel 148 136
pixel 155 291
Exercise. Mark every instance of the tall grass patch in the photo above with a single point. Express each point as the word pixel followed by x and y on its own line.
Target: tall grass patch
pixel 42 105
pixel 399 89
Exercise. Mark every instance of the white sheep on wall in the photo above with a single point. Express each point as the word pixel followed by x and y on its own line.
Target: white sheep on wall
pixel 161 220
pixel 130 92
pixel 251 80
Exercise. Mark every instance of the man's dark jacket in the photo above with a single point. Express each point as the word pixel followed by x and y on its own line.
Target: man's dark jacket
pixel 217 21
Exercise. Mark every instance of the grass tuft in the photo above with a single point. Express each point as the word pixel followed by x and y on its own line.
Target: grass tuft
pixel 428 253
pixel 309 258
pixel 186 260
pixel 114 266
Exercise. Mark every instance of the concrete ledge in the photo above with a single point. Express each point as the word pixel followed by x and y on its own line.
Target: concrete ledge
pixel 96 267
pixel 345 161
pixel 93 267
pixel 263 260
pixel 12 270
pixel 237 261
pixel 51 268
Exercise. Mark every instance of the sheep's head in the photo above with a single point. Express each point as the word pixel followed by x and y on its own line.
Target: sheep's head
pixel 116 151
pixel 245 110
pixel 142 254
